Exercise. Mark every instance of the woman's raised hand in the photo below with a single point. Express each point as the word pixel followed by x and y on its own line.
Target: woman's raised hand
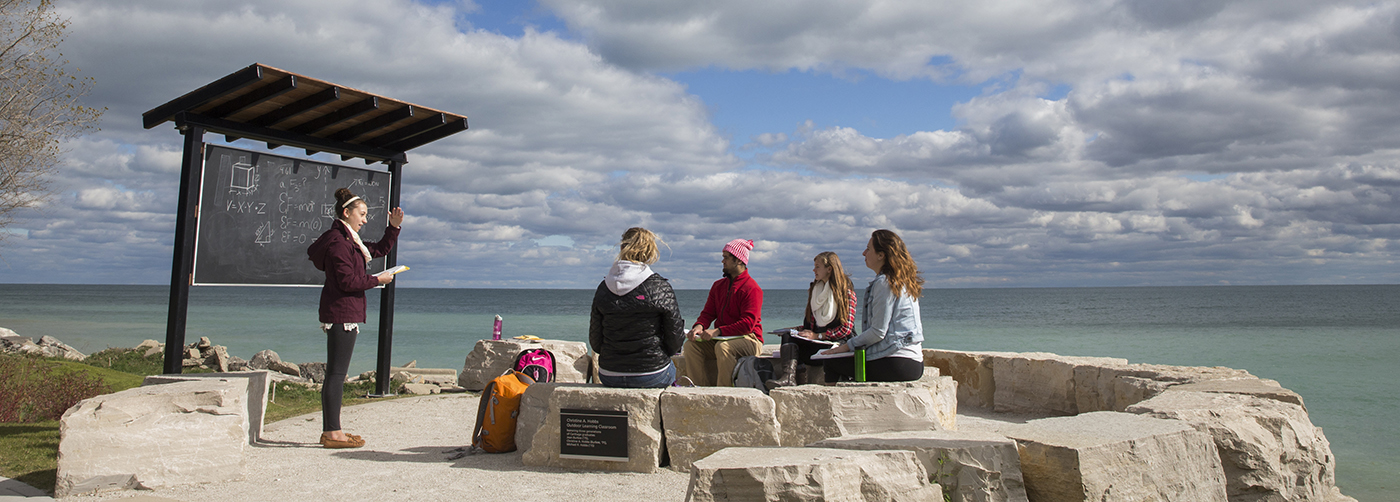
pixel 395 218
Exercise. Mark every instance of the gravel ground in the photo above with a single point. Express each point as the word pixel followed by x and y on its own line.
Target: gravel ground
pixel 408 442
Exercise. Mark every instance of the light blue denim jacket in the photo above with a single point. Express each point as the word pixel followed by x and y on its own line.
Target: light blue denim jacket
pixel 888 322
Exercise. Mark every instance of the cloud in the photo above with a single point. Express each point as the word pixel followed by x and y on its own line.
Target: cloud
pixel 1128 143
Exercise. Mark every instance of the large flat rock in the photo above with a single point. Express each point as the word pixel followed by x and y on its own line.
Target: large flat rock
pixel 815 474
pixel 970 466
pixel 490 358
pixel 154 436
pixel 644 434
pixel 1109 456
pixel 810 413
pixel 259 383
pixel 699 421
pixel 1269 448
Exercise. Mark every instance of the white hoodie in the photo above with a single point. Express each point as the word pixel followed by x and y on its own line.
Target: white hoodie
pixel 626 276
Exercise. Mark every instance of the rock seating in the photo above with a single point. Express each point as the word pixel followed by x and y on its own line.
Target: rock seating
pixel 644 433
pixel 815 474
pixel 258 384
pixel 970 466
pixel 699 421
pixel 154 436
pixel 1117 456
pixel 490 358
pixel 1269 448
pixel 810 413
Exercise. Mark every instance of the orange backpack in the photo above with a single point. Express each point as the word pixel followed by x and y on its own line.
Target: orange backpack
pixel 495 416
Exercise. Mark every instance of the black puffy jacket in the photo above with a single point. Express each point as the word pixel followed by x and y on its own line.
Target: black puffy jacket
pixel 639 331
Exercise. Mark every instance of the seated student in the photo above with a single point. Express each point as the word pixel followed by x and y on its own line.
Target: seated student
pixel 635 326
pixel 893 333
pixel 735 306
pixel 830 316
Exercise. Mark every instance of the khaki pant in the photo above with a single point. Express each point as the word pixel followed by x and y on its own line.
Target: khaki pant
pixel 704 361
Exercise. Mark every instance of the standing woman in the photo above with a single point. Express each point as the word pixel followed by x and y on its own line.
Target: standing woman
pixel 344 258
pixel 635 326
pixel 892 334
pixel 830 316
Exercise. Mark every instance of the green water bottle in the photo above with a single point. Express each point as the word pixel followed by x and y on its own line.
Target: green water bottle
pixel 860 365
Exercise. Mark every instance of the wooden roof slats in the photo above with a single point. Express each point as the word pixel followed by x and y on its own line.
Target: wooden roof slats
pixel 281 108
pixel 254 97
pixel 453 127
pixel 374 124
pixel 316 125
pixel 202 95
pixel 418 127
pixel 297 107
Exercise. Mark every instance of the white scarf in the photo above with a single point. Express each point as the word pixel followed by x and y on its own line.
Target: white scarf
pixel 823 304
pixel 356 236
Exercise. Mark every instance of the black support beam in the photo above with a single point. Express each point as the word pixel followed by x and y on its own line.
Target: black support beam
pixel 371 125
pixel 315 125
pixel 446 130
pixel 253 98
pixel 202 95
pixel 296 108
pixel 273 136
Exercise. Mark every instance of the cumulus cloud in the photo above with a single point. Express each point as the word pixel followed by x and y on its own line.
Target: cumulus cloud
pixel 1113 143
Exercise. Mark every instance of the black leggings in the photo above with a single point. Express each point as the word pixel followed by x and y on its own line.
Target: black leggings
pixel 885 369
pixel 339 345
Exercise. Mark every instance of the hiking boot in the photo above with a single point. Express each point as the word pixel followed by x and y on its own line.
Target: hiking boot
pixel 786 369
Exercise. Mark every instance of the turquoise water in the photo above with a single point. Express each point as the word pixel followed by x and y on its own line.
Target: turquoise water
pixel 1337 346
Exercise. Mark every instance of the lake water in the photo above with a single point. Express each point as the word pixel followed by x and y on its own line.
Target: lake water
pixel 1337 346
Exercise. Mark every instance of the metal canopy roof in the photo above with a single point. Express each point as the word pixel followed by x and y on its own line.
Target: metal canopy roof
pixel 282 108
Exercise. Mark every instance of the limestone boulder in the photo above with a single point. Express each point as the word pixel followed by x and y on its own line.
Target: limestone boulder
pixel 154 436
pixel 809 413
pixel 810 474
pixel 316 372
pixel 259 387
pixel 534 405
pixel 14 344
pixel 1259 387
pixel 285 368
pixel 699 421
pixel 1040 383
pixel 218 358
pixel 644 433
pixel 149 347
pixel 52 347
pixel 420 389
pixel 1110 456
pixel 970 466
pixel 435 376
pixel 1114 387
pixel 972 371
pixel 263 359
pixel 490 358
pixel 1269 448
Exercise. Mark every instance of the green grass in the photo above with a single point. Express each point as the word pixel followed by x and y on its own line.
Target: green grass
pixel 31 449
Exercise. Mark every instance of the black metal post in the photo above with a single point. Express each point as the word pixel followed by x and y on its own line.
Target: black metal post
pixel 382 378
pixel 182 265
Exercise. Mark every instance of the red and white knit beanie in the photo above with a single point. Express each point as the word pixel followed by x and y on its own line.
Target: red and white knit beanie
pixel 740 249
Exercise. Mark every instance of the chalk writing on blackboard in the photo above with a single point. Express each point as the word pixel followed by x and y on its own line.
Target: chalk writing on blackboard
pixel 259 212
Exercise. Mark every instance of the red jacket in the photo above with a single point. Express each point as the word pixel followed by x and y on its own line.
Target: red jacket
pixel 735 306
pixel 343 295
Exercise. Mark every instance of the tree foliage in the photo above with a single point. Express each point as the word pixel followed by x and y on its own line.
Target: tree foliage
pixel 39 106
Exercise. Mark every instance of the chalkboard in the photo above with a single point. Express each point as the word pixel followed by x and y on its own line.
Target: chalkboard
pixel 259 212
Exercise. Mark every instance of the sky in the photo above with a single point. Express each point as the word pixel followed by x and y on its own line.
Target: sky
pixel 1040 143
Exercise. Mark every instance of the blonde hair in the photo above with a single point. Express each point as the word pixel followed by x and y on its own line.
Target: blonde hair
pixel 899 267
pixel 639 245
pixel 840 285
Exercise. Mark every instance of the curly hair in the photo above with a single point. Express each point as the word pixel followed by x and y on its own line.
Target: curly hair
pixel 342 197
pixel 899 267
pixel 639 245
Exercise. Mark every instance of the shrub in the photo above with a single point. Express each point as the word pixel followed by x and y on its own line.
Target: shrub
pixel 32 391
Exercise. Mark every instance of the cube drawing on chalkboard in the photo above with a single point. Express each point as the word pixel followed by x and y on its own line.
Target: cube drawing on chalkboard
pixel 328 210
pixel 242 176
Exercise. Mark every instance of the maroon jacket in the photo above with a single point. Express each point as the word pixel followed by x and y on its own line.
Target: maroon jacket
pixel 736 307
pixel 343 295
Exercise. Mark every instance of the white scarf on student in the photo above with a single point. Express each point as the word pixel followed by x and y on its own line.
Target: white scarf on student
pixel 356 236
pixel 823 304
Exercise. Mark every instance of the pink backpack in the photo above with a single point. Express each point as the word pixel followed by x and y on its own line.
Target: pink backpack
pixel 538 364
